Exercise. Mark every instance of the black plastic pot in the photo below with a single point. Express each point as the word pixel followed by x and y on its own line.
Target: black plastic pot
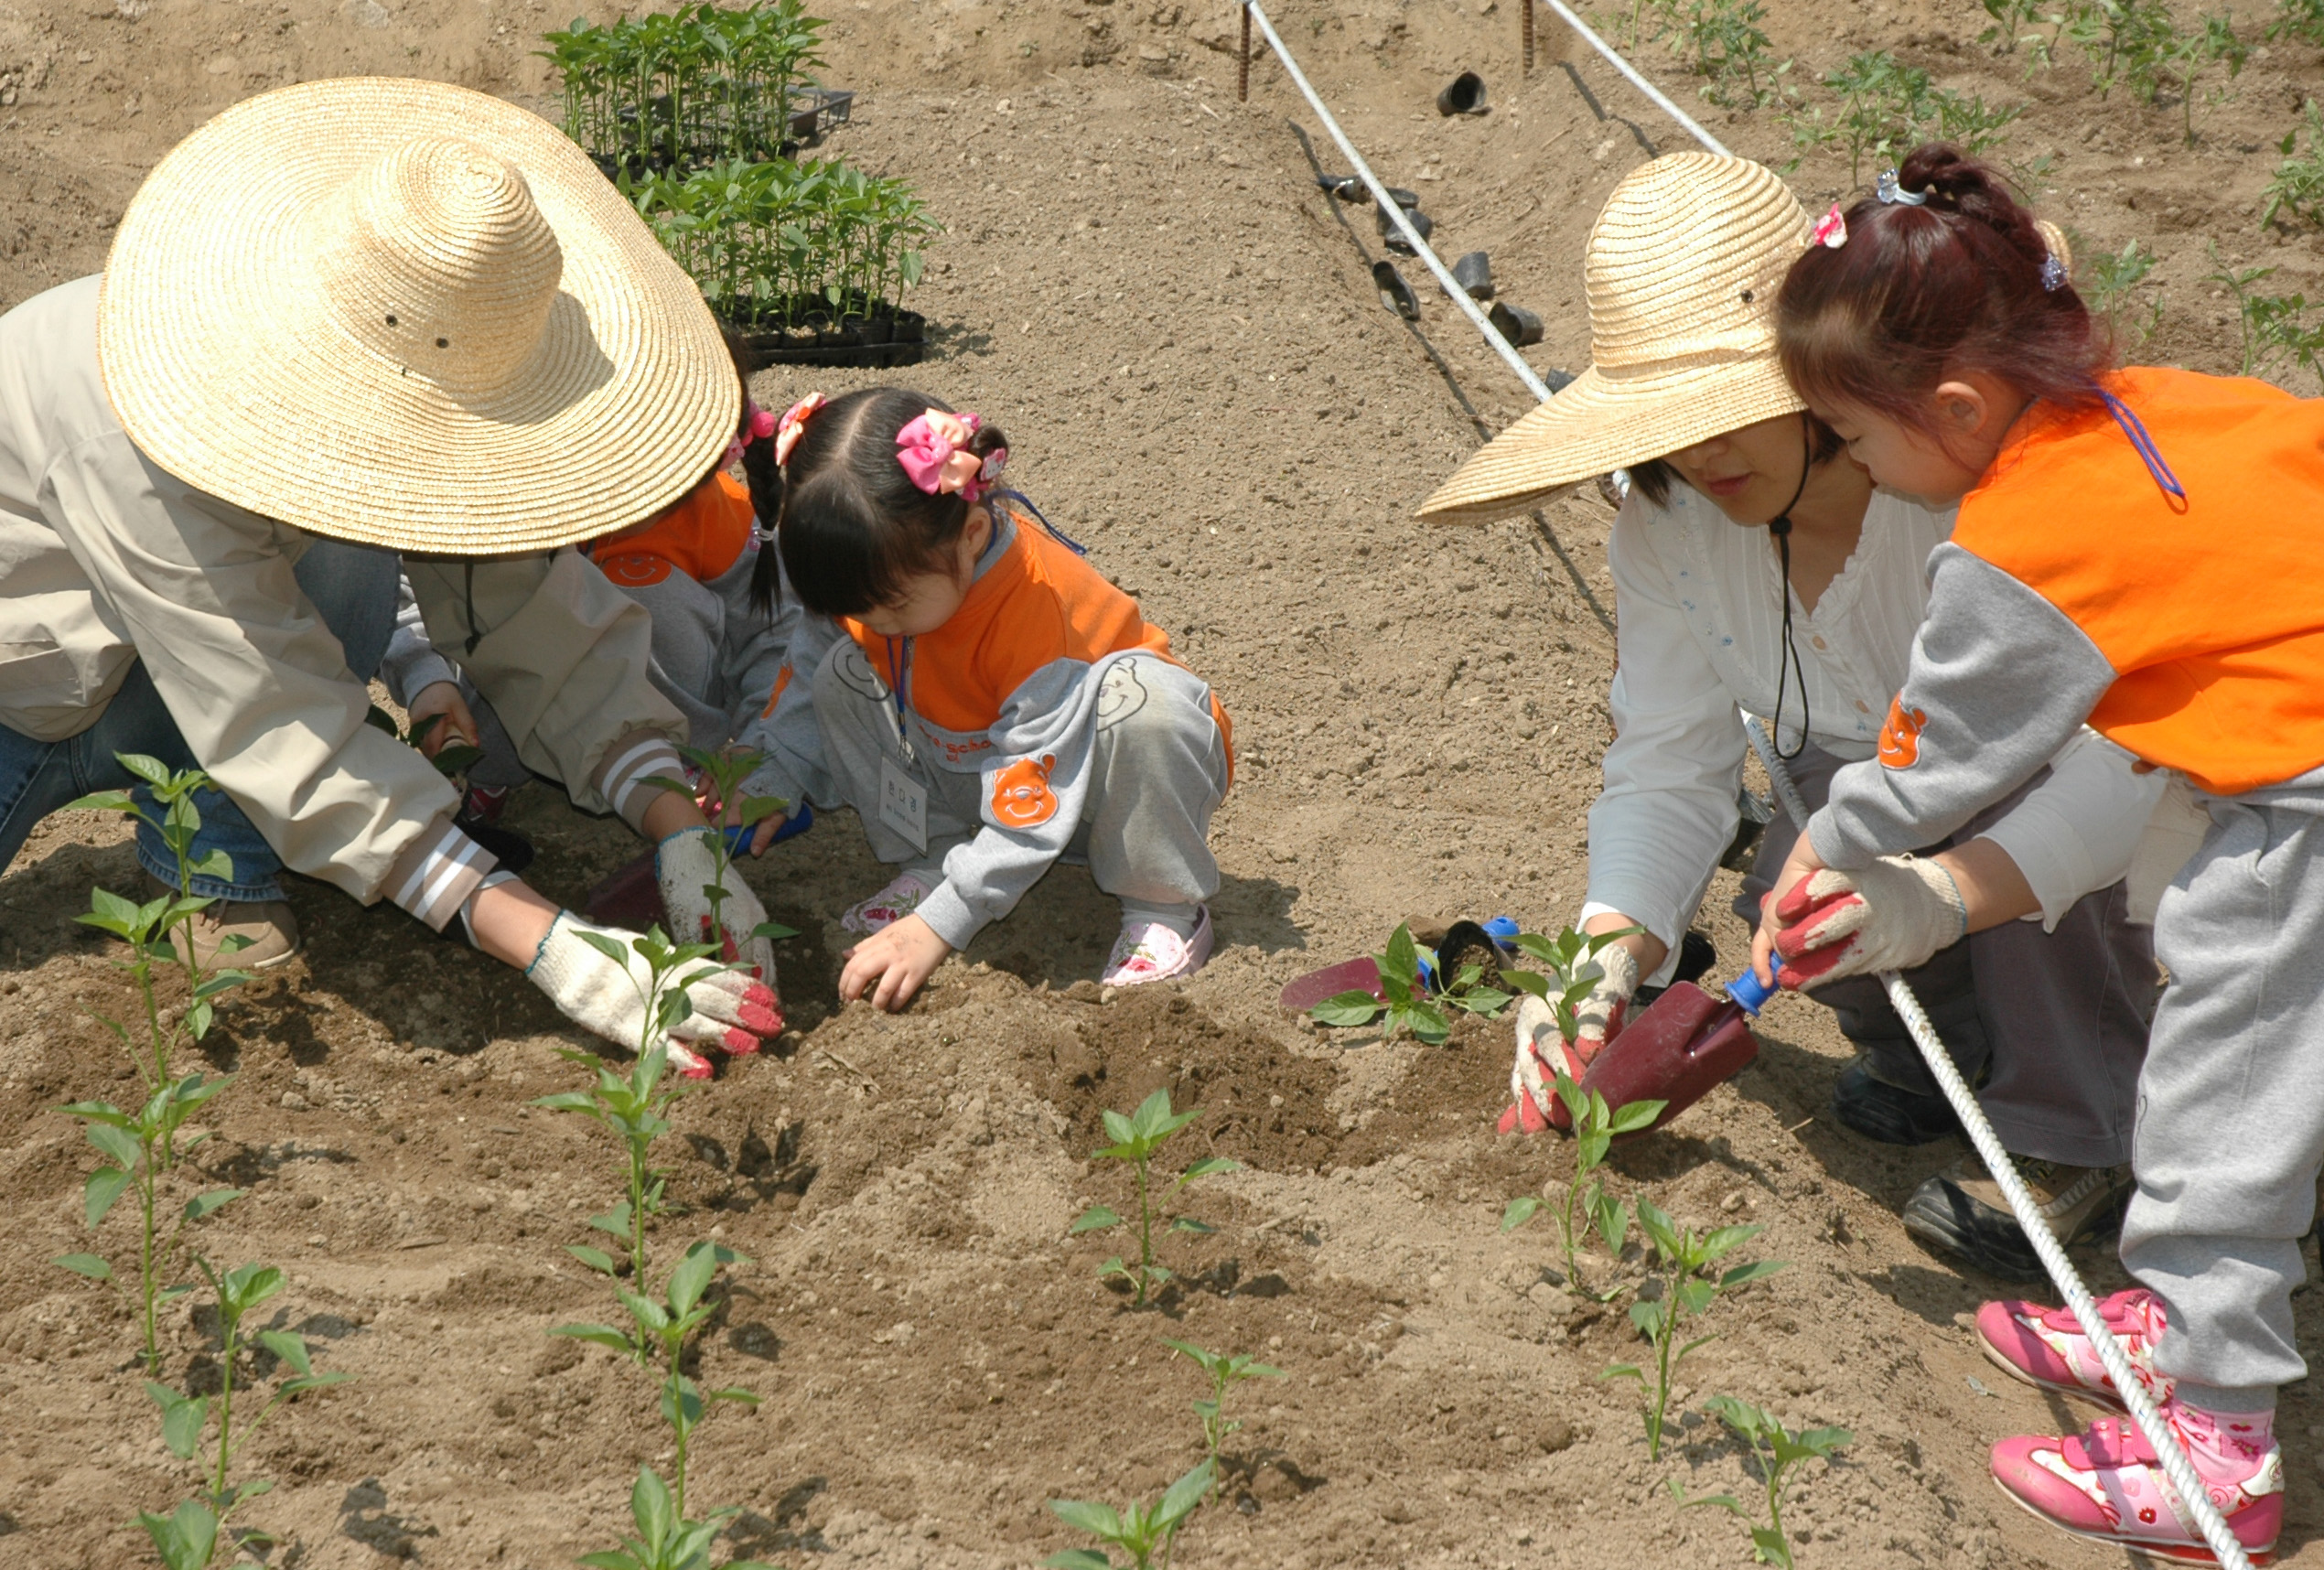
pixel 1395 292
pixel 887 336
pixel 815 110
pixel 1515 323
pixel 1474 272
pixel 1465 94
pixel 1395 236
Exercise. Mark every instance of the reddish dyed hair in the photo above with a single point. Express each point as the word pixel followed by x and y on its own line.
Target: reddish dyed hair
pixel 1920 294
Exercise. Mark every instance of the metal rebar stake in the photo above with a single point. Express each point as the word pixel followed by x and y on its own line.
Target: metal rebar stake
pixel 1242 71
pixel 1526 31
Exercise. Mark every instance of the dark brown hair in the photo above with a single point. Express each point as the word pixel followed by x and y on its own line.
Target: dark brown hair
pixel 1918 294
pixel 850 523
pixel 1654 478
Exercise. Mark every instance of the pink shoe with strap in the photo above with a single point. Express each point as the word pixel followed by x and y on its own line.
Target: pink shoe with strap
pixel 902 895
pixel 2046 1348
pixel 1149 952
pixel 2105 1484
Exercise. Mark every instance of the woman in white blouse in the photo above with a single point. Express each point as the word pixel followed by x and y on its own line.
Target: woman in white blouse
pixel 1757 569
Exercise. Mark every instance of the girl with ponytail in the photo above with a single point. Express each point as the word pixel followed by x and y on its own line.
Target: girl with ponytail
pixel 2137 550
pixel 980 694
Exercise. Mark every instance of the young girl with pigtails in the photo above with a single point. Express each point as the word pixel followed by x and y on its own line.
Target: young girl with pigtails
pixel 981 696
pixel 2137 550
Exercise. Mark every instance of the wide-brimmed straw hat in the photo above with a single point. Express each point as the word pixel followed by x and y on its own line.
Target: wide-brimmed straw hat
pixel 1682 272
pixel 405 314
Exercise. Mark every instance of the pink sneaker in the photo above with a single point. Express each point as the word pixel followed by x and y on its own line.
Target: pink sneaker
pixel 890 905
pixel 1149 952
pixel 2046 1348
pixel 2106 1485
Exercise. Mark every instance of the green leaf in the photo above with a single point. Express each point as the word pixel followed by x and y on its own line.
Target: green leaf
pixel 181 1419
pixel 1403 958
pixel 87 1265
pixel 103 802
pixel 612 950
pixel 1189 1224
pixel 1611 1221
pixel 1726 1240
pixel 1088 1515
pixel 291 1348
pixel 1772 1547
pixel 649 1506
pixel 1632 1116
pixel 1348 1009
pixel 117 1143
pixel 1648 1317
pixel 1756 1270
pixel 1623 1371
pixel 186 1539
pixel 313 1382
pixel 1184 1494
pixel 595 1259
pixel 1657 1225
pixel 1695 1294
pixel 1094 1218
pixel 1518 1211
pixel 603 1335
pixel 203 1204
pixel 692 1278
pixel 774 932
pixel 1209 1166
pixel 1077 1559
pixel 104 1187
pixel 1482 1000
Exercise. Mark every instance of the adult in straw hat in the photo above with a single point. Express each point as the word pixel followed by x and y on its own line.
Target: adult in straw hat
pixel 342 321
pixel 1756 567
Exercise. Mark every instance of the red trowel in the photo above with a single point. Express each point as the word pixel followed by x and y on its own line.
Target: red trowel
pixel 1677 1049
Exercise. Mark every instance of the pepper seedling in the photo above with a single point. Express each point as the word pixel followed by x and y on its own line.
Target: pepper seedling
pixel 187 1540
pixel 1136 1139
pixel 1226 1370
pixel 635 1107
pixel 1779 1451
pixel 1403 995
pixel 453 760
pixel 142 1145
pixel 666 1539
pixel 723 774
pixel 1595 1127
pixel 1571 959
pixel 1686 1294
pixel 662 1326
pixel 1140 1531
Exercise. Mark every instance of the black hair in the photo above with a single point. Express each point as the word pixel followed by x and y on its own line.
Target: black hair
pixel 850 523
pixel 1654 477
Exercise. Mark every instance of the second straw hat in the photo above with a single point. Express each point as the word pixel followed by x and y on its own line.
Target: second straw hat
pixel 1682 270
pixel 405 314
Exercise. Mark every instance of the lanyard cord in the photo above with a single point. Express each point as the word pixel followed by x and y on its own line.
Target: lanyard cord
pixel 1787 659
pixel 901 666
pixel 2143 444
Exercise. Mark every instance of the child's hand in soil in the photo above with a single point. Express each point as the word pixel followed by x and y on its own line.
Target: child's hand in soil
pixel 898 959
pixel 442 698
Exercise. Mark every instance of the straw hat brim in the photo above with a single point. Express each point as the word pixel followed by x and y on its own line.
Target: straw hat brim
pixel 1602 422
pixel 226 370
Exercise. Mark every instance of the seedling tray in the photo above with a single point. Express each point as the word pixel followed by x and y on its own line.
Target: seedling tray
pixel 886 337
pixel 815 110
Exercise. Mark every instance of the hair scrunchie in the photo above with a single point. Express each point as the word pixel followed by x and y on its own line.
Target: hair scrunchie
pixel 935 454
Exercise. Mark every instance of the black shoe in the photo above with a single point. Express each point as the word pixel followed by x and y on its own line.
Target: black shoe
pixel 1961 1211
pixel 1889 1114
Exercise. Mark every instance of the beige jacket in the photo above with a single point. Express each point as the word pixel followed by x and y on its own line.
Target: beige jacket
pixel 106 559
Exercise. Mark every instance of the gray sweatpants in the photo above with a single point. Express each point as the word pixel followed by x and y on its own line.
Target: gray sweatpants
pixel 1159 770
pixel 2230 1107
pixel 2060 1016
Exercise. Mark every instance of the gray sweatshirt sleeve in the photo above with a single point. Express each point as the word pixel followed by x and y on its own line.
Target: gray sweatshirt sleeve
pixel 781 723
pixel 1032 789
pixel 411 664
pixel 2000 680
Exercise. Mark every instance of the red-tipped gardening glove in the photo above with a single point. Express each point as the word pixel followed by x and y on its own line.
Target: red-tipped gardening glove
pixel 1890 915
pixel 594 990
pixel 1541 1052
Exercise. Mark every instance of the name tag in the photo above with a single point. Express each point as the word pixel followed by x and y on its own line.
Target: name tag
pixel 903 804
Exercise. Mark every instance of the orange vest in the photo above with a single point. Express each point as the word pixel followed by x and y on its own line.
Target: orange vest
pixel 700 536
pixel 1038 604
pixel 2210 610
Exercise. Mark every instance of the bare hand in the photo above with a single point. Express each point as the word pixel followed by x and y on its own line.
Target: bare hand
pixel 899 957
pixel 442 698
pixel 1800 866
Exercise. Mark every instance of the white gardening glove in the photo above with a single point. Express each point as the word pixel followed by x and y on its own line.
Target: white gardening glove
pixel 730 1010
pixel 1532 1080
pixel 686 865
pixel 1890 915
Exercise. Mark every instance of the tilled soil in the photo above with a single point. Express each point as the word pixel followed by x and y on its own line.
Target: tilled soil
pixel 1179 330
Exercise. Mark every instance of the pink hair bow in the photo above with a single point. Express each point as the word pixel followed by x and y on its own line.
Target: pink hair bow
pixel 1832 229
pixel 935 454
pixel 757 426
pixel 794 420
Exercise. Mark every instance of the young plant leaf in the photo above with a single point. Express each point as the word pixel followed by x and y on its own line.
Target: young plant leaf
pixel 1348 1009
pixel 1094 1218
pixel 104 1185
pixel 87 1265
pixel 1519 1212
pixel 1209 1166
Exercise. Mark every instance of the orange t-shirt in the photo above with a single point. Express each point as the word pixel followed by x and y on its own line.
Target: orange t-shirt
pixel 702 536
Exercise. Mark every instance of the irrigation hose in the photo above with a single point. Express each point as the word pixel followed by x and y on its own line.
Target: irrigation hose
pixel 2192 1495
pixel 1388 204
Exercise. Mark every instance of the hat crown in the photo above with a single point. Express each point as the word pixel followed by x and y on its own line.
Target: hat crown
pixel 1683 264
pixel 437 258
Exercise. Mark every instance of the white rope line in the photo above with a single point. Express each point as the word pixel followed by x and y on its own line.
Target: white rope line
pixel 2192 1495
pixel 1638 82
pixel 1388 205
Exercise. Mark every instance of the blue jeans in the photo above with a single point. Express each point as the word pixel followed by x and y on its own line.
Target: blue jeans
pixel 354 588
